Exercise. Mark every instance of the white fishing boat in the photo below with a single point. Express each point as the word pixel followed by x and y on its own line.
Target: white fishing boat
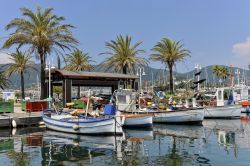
pixel 233 111
pixel 190 115
pixel 225 102
pixel 135 120
pixel 127 113
pixel 80 125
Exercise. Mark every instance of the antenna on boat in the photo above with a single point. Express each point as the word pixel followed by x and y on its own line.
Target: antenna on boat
pixel 237 72
pixel 231 80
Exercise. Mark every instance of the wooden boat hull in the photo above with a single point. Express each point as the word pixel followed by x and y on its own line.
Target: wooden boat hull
pixel 136 120
pixel 82 126
pixel 223 112
pixel 190 116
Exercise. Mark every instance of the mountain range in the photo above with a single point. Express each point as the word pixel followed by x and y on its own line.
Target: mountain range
pixel 158 75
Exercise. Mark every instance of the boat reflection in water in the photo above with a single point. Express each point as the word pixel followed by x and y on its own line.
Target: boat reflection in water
pixel 64 148
pixel 180 131
pixel 135 146
pixel 232 135
pixel 214 143
pixel 243 138
pixel 179 145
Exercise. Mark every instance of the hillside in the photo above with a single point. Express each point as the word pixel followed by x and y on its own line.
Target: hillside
pixel 31 75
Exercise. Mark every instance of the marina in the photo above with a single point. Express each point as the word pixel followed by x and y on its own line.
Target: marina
pixel 124 83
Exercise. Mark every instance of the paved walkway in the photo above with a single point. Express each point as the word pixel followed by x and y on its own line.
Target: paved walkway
pixel 22 118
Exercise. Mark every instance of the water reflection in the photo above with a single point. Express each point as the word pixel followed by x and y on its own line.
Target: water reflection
pixel 183 145
pixel 134 146
pixel 180 130
pixel 214 143
pixel 63 148
pixel 244 135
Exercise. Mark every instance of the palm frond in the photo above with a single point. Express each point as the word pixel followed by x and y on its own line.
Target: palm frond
pixel 123 55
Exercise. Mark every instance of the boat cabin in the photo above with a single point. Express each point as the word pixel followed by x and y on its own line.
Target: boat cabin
pixel 125 99
pixel 229 95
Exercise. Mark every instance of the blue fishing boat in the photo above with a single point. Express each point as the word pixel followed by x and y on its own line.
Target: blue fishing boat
pixel 65 122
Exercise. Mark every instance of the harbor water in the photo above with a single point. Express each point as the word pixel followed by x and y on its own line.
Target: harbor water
pixel 216 142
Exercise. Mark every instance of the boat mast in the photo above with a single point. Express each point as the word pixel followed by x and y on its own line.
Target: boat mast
pixel 231 80
pixel 87 107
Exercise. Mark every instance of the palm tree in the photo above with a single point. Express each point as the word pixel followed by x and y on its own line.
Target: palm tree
pixel 224 73
pixel 4 82
pixel 220 72
pixel 169 52
pixel 78 61
pixel 216 70
pixel 124 56
pixel 42 31
pixel 21 62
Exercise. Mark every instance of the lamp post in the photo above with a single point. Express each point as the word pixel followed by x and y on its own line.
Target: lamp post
pixel 152 80
pixel 140 74
pixel 48 68
pixel 198 68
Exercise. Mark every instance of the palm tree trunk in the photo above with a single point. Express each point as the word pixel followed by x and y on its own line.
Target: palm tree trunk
pixel 124 69
pixel 42 76
pixel 58 62
pixel 171 79
pixel 78 91
pixel 22 86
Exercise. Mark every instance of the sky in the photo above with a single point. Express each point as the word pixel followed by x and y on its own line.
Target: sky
pixel 216 32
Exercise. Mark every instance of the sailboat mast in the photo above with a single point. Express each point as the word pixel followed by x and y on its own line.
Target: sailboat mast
pixel 231 83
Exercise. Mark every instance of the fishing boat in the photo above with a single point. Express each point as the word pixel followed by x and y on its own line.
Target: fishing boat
pixel 68 123
pixel 179 116
pixel 127 112
pixel 176 114
pixel 233 111
pixel 225 102
pixel 80 124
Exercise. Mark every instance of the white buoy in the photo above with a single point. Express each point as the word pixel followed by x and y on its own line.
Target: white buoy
pixel 13 131
pixel 41 123
pixel 76 143
pixel 76 127
pixel 13 123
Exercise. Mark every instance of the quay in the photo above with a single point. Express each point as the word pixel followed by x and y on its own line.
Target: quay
pixel 20 119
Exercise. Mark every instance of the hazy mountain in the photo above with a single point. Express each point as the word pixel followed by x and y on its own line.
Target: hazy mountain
pixel 31 76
